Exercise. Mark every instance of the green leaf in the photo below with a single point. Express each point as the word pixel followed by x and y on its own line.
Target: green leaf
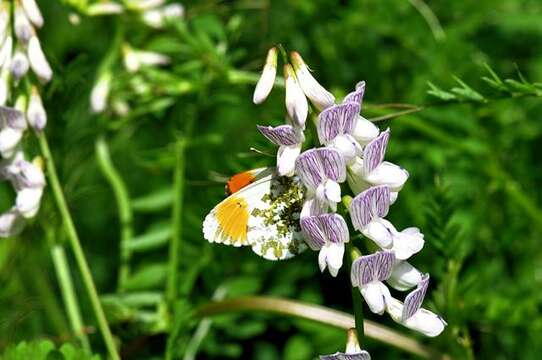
pixel 156 201
pixel 150 276
pixel 439 93
pixel 155 238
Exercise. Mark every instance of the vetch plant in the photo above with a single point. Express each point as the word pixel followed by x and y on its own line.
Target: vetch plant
pixel 280 211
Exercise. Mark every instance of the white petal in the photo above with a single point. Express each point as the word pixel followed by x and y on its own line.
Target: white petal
pixel 322 258
pixel 426 322
pixel 407 243
pixel 312 207
pixel 388 174
pixel 286 157
pixel 296 102
pixel 393 196
pixel 375 295
pixel 365 130
pixel 9 138
pixel 346 147
pixel 423 320
pixel 11 223
pixel 334 258
pixel 356 182
pixel 381 231
pixel 332 191
pixel 404 276
pixel 28 201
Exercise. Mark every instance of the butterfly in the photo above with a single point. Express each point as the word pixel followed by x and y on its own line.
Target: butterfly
pixel 261 211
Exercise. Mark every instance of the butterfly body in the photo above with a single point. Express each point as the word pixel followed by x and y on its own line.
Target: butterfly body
pixel 263 214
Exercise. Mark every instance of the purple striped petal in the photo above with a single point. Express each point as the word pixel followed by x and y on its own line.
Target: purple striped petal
pixel 363 355
pixel 337 120
pixel 320 229
pixel 414 300
pixel 368 205
pixel 356 95
pixel 282 135
pixel 374 267
pixel 335 228
pixel 314 166
pixel 374 152
pixel 314 234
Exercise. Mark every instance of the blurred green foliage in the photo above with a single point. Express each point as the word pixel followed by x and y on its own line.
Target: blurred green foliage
pixel 474 186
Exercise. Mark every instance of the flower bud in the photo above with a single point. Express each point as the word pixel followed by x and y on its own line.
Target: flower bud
pixel 33 12
pixel 104 8
pixel 37 59
pixel 320 97
pixel 4 19
pixel 100 93
pixel 134 59
pixel 4 88
pixel 157 18
pixel 23 28
pixel 267 80
pixel 296 102
pixel 35 113
pixel 19 65
pixel 143 4
pixel 5 51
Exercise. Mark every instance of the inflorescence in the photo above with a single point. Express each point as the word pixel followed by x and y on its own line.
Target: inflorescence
pixel 350 150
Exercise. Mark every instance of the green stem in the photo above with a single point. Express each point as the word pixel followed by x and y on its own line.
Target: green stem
pixel 68 294
pixel 123 205
pixel 319 314
pixel 357 301
pixel 176 220
pixel 82 264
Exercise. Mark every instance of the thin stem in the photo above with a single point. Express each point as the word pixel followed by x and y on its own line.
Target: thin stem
pixel 68 294
pixel 398 113
pixel 319 314
pixel 357 302
pixel 123 205
pixel 430 18
pixel 176 220
pixel 82 264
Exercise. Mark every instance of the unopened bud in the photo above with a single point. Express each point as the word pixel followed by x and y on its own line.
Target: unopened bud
pixel 320 97
pixel 33 12
pixel 37 59
pixel 267 79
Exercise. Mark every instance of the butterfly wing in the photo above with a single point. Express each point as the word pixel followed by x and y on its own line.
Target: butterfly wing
pixel 264 215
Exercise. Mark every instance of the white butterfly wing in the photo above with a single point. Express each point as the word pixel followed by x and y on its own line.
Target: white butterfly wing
pixel 264 215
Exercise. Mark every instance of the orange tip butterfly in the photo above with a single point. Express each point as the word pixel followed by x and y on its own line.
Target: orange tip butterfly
pixel 262 211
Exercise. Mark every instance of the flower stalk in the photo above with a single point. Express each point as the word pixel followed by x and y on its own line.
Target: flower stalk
pixel 319 314
pixel 75 244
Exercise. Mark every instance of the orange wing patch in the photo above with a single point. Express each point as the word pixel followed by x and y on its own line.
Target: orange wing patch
pixel 239 181
pixel 232 216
